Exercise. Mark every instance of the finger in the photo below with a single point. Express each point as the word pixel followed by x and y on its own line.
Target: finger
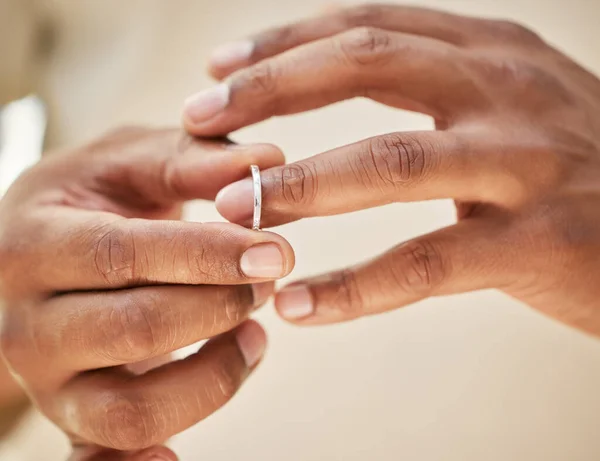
pixel 398 167
pixel 467 257
pixel 83 331
pixel 152 169
pixel 118 411
pixel 420 74
pixel 197 170
pixel 439 25
pixel 86 453
pixel 81 252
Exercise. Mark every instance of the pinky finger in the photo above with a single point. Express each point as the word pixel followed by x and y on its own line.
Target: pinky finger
pixel 466 257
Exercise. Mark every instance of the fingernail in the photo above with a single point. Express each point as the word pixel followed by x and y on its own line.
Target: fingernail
pixel 205 105
pixel 236 201
pixel 262 261
pixel 295 302
pixel 234 54
pixel 251 341
pixel 262 292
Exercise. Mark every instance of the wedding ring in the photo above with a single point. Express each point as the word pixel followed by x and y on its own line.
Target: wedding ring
pixel 257 196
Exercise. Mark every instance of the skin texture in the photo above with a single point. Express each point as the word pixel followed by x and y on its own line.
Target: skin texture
pixel 100 280
pixel 517 146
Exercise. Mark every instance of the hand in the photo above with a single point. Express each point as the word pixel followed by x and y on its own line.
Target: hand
pixel 95 276
pixel 517 147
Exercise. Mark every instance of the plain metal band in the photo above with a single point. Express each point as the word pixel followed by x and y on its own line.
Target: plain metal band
pixel 257 197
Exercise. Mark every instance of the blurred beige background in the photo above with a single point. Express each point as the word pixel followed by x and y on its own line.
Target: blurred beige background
pixel 467 378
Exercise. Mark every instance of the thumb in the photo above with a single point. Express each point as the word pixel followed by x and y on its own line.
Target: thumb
pixel 87 453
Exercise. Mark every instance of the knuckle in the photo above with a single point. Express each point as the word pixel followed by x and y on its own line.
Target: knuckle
pixel 297 184
pixel 129 330
pixel 281 37
pixel 421 269
pixel 348 297
pixel 399 159
pixel 127 421
pixel 236 305
pixel 262 78
pixel 114 257
pixel 366 46
pixel 526 79
pixel 204 264
pixel 224 382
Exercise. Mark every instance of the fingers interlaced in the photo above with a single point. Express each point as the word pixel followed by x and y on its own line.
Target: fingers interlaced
pixel 116 410
pixel 467 257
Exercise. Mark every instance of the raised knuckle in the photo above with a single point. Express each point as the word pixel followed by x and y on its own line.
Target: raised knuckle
pixel 172 175
pixel 236 305
pixel 366 46
pixel 399 159
pixel 297 184
pixel 421 269
pixel 262 78
pixel 131 330
pixel 348 297
pixel 526 79
pixel 127 421
pixel 114 256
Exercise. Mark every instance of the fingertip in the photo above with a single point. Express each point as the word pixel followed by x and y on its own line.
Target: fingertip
pixel 228 58
pixel 262 292
pixel 203 107
pixel 252 341
pixel 235 202
pixel 295 303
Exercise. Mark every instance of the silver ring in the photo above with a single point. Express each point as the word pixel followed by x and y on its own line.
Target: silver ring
pixel 257 196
